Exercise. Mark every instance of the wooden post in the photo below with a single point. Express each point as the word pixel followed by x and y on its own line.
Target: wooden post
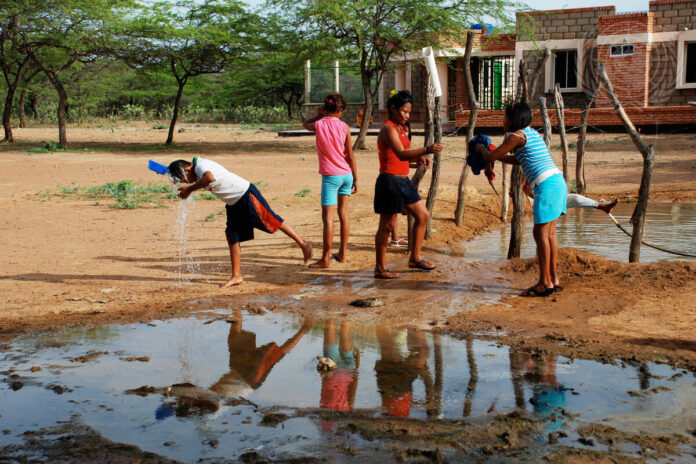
pixel 473 114
pixel 515 248
pixel 560 114
pixel 547 122
pixel 581 185
pixel 506 193
pixel 435 176
pixel 638 217
pixel 428 140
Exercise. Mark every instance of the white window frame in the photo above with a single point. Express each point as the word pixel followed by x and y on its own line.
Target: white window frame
pixel 623 52
pixel 564 45
pixel 577 70
pixel 685 38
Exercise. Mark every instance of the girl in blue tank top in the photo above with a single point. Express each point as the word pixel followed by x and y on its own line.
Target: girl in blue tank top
pixel 524 146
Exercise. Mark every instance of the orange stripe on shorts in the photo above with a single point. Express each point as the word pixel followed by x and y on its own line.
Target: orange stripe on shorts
pixel 269 221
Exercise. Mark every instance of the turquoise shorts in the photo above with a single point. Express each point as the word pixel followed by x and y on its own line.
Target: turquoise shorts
pixel 550 199
pixel 342 358
pixel 332 186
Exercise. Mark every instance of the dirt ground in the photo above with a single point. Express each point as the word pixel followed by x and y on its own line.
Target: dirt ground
pixel 74 261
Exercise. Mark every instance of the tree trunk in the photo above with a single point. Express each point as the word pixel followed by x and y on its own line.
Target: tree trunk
pixel 175 112
pixel 369 103
pixel 638 217
pixel 34 103
pixel 7 113
pixel 435 177
pixel 515 247
pixel 560 114
pixel 62 123
pixel 22 114
pixel 506 193
pixel 547 122
pixel 473 114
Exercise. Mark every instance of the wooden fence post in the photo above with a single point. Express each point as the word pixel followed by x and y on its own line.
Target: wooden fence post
pixel 638 217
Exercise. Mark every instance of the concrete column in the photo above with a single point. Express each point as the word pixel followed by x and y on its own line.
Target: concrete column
pixel 442 74
pixel 307 81
pixel 337 83
pixel 407 83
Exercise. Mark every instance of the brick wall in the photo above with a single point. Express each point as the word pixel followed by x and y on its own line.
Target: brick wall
pixel 663 77
pixel 560 24
pixel 598 117
pixel 634 23
pixel 673 15
pixel 630 75
pixel 496 43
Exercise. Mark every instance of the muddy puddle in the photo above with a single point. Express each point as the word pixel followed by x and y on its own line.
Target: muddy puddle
pixel 668 225
pixel 227 386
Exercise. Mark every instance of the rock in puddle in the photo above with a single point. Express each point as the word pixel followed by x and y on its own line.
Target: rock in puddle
pixel 373 302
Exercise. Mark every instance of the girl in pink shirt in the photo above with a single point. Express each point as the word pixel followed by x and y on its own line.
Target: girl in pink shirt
pixel 338 172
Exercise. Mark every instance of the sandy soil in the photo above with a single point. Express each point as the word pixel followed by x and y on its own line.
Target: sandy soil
pixel 70 261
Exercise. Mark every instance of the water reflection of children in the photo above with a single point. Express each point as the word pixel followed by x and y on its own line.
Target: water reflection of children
pixel 338 387
pixel 249 364
pixel 404 357
pixel 547 393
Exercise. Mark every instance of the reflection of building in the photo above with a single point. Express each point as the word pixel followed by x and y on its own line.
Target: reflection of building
pixel 649 56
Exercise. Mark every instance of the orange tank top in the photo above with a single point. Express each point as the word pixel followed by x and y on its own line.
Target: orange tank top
pixel 388 161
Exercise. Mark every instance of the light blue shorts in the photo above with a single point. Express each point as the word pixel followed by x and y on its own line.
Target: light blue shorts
pixel 332 186
pixel 550 199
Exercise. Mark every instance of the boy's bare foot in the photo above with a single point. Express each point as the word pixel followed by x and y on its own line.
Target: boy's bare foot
pixel 339 258
pixel 235 280
pixel 306 251
pixel 321 264
pixel 607 207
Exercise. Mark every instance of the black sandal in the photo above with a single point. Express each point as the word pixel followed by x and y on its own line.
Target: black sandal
pixel 533 292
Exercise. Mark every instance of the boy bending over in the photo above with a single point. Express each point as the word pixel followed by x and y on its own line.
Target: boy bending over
pixel 245 206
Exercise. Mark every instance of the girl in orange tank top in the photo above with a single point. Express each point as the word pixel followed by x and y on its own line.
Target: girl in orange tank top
pixel 394 191
pixel 388 162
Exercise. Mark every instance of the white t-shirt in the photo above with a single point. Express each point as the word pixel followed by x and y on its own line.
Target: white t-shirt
pixel 227 187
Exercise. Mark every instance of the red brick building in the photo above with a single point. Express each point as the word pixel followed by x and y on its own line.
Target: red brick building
pixel 650 58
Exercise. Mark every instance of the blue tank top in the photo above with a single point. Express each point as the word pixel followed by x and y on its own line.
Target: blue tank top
pixel 534 156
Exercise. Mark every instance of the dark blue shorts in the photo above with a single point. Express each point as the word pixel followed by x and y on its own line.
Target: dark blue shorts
pixel 392 193
pixel 249 213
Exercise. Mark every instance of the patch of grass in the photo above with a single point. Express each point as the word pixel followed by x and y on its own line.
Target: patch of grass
pixel 573 187
pixel 206 196
pixel 160 126
pixel 125 193
pixel 48 147
pixel 303 193
pixel 259 184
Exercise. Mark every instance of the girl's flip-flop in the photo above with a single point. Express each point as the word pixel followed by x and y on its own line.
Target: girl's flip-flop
pixel 386 274
pixel 422 264
pixel 401 243
pixel 557 288
pixel 533 292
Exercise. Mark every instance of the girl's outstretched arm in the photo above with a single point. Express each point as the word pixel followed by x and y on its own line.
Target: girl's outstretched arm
pixel 511 142
pixel 392 140
pixel 350 158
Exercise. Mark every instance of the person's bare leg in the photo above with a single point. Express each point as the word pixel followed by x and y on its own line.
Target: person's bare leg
pixel 327 217
pixel 343 202
pixel 420 222
pixel 344 341
pixel 236 260
pixel 608 207
pixel 381 242
pixel 541 237
pixel 553 262
pixel 306 246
